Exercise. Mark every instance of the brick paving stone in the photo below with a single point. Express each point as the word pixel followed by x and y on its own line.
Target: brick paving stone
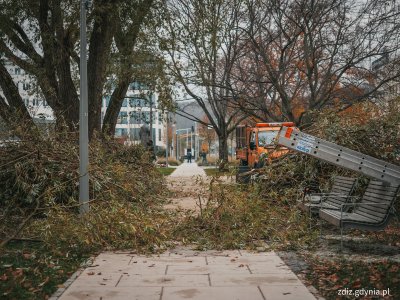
pixel 269 267
pixel 199 260
pixel 253 279
pixel 243 259
pixel 191 280
pixel 257 254
pixel 211 269
pixel 191 253
pixel 211 293
pixel 286 292
pixel 131 270
pixel 120 293
pixel 91 279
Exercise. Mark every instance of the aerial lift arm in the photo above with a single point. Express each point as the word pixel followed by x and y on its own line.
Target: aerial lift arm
pixel 338 155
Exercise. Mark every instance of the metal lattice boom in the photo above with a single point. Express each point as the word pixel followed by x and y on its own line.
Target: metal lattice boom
pixel 338 155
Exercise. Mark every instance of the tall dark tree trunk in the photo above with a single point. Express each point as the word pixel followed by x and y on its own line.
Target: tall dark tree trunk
pixel 64 48
pixel 117 97
pixel 14 112
pixel 125 40
pixel 99 50
pixel 223 151
pixel 223 144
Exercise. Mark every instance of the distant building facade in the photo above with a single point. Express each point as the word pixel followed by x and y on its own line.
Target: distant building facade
pixel 139 109
pixel 140 103
pixel 37 106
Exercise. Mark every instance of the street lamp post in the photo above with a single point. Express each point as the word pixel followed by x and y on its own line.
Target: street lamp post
pixel 166 144
pixel 83 117
pixel 191 138
pixel 187 139
pixel 178 146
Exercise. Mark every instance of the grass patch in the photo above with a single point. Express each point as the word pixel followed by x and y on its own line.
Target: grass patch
pixel 165 171
pixel 30 270
pixel 329 277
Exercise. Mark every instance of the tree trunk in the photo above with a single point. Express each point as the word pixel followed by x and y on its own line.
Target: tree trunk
pixel 117 97
pixel 223 151
pixel 99 50
pixel 14 112
pixel 68 94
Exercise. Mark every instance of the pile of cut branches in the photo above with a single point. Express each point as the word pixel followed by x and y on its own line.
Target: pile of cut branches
pixel 240 217
pixel 371 130
pixel 39 187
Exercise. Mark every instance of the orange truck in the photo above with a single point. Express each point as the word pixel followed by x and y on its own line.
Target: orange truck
pixel 255 145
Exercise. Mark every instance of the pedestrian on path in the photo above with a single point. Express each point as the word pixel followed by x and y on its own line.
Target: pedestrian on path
pixel 204 156
pixel 189 156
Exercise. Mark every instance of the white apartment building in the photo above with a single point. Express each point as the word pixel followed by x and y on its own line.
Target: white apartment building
pixel 38 108
pixel 135 112
pixel 139 104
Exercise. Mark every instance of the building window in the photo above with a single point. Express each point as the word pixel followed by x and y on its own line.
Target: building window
pixel 145 117
pixel 26 102
pixel 134 86
pixel 26 86
pixel 45 103
pixel 137 102
pixel 159 134
pixel 122 118
pixel 125 103
pixel 17 71
pixel 135 117
pixel 148 102
pixel 134 134
pixel 121 132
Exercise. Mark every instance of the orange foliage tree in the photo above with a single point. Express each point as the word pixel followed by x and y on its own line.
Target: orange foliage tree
pixel 305 55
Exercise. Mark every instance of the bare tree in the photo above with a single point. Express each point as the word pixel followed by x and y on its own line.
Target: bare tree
pixel 203 40
pixel 305 54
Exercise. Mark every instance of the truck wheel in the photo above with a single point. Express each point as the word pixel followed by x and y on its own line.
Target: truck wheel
pixel 245 178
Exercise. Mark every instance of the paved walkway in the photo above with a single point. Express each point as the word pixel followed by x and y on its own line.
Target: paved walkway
pixel 212 275
pixel 188 170
pixel 186 184
pixel 186 274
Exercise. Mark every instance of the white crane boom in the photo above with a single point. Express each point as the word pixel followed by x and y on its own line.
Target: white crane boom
pixel 338 155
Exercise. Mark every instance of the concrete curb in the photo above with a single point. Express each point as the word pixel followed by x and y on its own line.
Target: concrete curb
pixel 57 294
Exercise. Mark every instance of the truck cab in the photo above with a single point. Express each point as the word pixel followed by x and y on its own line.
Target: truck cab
pixel 255 145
